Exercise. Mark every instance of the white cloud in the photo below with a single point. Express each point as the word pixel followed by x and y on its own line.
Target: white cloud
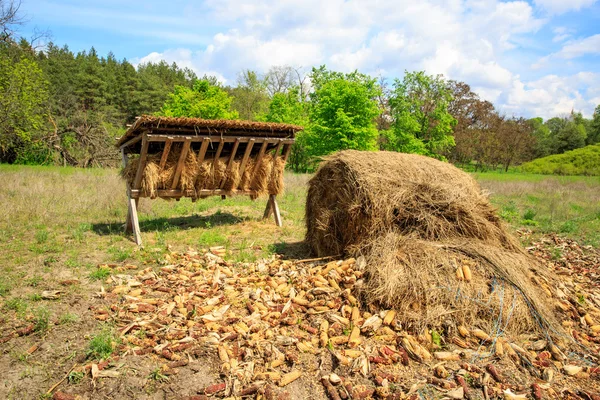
pixel 562 6
pixel 468 40
pixel 552 95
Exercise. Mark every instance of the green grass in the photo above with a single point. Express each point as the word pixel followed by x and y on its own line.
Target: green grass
pixel 583 161
pixel 568 205
pixel 102 344
pixel 100 273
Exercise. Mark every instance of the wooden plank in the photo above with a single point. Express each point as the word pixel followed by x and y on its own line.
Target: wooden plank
pixel 231 160
pixel 286 152
pixel 181 163
pixel 273 200
pixel 203 148
pixel 165 154
pixel 137 235
pixel 226 139
pixel 246 155
pixel 174 193
pixel 142 164
pixel 131 142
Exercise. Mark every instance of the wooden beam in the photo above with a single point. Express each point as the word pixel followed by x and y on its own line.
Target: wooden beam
pixel 246 155
pixel 174 193
pixel 142 164
pixel 190 131
pixel 181 162
pixel 165 154
pixel 268 209
pixel 226 139
pixel 203 148
pixel 131 142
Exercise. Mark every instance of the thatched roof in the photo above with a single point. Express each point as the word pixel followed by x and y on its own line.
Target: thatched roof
pixel 198 126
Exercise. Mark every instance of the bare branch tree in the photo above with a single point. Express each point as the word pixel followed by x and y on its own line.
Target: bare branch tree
pixel 9 19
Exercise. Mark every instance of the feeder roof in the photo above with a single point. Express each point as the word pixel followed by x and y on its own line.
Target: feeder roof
pixel 199 126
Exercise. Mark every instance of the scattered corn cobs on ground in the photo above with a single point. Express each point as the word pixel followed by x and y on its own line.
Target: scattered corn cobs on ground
pixel 271 326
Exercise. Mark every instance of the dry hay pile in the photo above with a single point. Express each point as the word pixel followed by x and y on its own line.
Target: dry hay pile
pixel 266 178
pixel 434 248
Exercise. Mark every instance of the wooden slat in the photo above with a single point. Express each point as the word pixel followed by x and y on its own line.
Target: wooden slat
pixel 165 154
pixel 181 162
pixel 231 160
pixel 278 149
pixel 142 164
pixel 286 152
pixel 198 130
pixel 218 154
pixel 260 156
pixel 203 148
pixel 246 155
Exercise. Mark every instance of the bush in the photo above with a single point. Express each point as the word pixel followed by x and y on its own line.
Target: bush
pixel 584 161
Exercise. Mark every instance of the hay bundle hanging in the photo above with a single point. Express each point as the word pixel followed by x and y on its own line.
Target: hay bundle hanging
pixel 434 248
pixel 264 178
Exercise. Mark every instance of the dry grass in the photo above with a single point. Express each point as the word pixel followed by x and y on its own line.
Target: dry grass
pixel 416 220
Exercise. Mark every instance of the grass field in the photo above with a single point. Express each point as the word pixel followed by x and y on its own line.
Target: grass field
pixel 59 224
pixel 73 219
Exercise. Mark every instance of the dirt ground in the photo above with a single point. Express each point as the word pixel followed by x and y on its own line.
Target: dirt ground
pixel 193 326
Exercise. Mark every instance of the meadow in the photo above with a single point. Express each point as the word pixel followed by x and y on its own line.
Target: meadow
pixel 66 224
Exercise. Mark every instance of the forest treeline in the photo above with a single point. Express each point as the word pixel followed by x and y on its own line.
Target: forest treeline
pixel 66 108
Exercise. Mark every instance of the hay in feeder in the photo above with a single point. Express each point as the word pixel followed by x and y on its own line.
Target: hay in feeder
pixel 421 225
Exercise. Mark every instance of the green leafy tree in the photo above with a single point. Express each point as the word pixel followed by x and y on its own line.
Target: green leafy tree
pixel 23 112
pixel 422 122
pixel 342 112
pixel 594 133
pixel 543 139
pixel 202 101
pixel 287 107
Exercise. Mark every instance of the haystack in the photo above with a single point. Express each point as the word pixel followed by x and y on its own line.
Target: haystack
pixel 435 249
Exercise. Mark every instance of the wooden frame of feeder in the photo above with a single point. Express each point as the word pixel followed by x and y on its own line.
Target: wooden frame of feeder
pixel 282 145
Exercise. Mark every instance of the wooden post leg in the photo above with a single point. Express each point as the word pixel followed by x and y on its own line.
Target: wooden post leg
pixel 268 209
pixel 275 207
pixel 133 223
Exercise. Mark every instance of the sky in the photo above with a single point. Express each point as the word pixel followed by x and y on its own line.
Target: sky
pixel 530 58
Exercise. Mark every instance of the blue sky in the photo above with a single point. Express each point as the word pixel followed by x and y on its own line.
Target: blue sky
pixel 531 58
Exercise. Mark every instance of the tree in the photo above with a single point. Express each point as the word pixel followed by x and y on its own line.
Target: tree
pixel 250 98
pixel 202 101
pixel 541 134
pixel 594 134
pixel 23 113
pixel 516 141
pixel 422 123
pixel 9 19
pixel 342 112
pixel 287 107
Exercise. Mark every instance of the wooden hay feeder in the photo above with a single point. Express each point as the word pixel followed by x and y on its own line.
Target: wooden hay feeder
pixel 173 158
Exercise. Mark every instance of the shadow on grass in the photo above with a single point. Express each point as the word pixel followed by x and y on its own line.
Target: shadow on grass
pixel 165 224
pixel 293 250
